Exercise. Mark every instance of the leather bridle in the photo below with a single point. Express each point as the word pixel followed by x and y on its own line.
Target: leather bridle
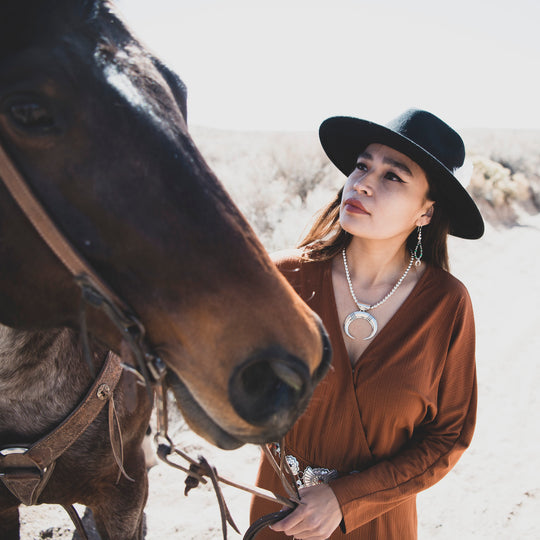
pixel 150 368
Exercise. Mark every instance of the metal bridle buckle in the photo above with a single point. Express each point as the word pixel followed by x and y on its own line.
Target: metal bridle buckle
pixel 6 451
pixel 21 475
pixel 150 369
pixel 156 366
pixel 9 453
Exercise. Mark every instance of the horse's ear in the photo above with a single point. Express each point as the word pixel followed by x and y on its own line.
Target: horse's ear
pixel 177 86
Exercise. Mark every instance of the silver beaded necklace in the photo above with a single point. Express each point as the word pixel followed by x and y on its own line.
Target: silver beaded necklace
pixel 363 309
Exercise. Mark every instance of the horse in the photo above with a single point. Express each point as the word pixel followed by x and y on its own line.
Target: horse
pixel 96 126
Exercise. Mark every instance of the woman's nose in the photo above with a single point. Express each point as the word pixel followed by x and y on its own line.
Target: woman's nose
pixel 363 182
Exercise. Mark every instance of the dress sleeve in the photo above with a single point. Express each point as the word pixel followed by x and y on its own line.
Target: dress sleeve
pixel 435 446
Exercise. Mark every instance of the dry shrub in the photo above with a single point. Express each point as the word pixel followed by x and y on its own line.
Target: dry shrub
pixel 496 184
pixel 499 192
pixel 515 149
pixel 277 180
pixel 302 170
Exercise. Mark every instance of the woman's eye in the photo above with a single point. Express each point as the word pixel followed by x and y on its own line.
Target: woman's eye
pixel 394 177
pixel 361 166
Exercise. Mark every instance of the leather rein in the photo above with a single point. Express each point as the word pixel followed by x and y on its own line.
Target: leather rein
pixel 150 371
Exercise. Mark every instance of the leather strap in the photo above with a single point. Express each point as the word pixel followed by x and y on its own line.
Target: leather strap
pixel 53 445
pixel 25 472
pixel 75 518
pixel 264 521
pixel 23 478
pixel 44 225
pixel 282 469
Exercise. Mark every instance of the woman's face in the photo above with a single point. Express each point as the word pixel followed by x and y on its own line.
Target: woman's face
pixel 385 196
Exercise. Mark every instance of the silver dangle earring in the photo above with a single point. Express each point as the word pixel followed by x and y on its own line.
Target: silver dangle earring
pixel 418 250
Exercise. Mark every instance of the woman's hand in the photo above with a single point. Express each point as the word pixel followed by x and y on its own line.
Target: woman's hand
pixel 317 516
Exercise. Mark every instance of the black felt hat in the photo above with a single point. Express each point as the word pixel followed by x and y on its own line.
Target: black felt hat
pixel 423 137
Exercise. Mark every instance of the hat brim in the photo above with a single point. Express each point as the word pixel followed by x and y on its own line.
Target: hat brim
pixel 343 138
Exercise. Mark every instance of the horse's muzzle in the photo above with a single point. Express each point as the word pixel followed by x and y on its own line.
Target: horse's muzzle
pixel 272 388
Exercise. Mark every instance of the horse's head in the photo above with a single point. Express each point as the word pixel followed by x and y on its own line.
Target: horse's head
pixel 97 126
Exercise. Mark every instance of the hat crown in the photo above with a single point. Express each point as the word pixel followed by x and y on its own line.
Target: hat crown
pixel 432 134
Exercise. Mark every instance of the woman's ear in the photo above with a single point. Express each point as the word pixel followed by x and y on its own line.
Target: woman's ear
pixel 425 218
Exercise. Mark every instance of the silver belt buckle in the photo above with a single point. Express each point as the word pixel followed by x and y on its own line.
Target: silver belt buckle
pixel 310 476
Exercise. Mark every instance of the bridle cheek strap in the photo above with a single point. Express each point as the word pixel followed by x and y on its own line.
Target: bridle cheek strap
pixel 49 232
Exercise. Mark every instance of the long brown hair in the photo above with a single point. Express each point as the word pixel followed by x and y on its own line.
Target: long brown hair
pixel 326 238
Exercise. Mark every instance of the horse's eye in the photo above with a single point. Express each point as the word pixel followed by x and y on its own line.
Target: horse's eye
pixel 32 115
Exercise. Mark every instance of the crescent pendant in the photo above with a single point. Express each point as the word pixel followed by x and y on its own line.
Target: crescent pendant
pixel 360 315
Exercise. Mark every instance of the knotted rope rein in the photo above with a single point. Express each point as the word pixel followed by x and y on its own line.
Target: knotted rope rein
pixel 198 469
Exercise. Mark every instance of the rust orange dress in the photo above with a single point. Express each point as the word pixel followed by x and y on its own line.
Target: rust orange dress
pixel 396 422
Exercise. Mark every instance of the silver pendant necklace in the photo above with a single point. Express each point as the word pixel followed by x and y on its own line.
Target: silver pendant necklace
pixel 363 309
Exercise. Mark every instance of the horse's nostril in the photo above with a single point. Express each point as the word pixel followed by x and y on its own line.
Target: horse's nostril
pixel 267 389
pixel 286 374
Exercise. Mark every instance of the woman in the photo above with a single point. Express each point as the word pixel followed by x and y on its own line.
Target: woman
pixel 398 408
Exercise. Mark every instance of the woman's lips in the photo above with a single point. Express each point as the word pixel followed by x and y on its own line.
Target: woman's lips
pixel 354 206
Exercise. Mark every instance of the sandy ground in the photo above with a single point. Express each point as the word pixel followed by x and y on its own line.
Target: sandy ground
pixel 493 492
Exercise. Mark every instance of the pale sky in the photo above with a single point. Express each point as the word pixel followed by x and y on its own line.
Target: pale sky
pixel 288 64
